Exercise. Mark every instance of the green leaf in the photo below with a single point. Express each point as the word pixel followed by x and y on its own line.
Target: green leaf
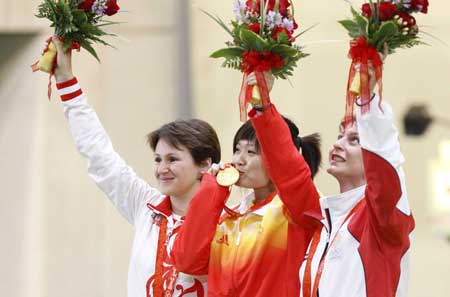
pixel 79 17
pixel 349 25
pixel 228 52
pixel 87 46
pixel 375 12
pixel 252 40
pixel 107 23
pixel 282 38
pixel 360 20
pixel 277 5
pixel 354 30
pixel 304 31
pixel 284 50
pixel 292 9
pixel 386 31
pixel 218 21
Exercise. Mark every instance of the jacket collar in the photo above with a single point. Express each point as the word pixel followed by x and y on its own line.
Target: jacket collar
pixel 259 209
pixel 164 207
pixel 340 204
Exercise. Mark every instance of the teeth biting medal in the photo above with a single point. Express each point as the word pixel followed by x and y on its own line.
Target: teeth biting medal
pixel 228 176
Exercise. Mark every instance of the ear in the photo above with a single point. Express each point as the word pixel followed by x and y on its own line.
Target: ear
pixel 204 166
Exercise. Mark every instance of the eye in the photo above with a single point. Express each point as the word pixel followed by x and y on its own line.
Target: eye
pixel 354 140
pixel 173 159
pixel 157 159
pixel 340 136
pixel 251 152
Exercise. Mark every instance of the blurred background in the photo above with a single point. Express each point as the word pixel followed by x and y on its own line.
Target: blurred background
pixel 59 235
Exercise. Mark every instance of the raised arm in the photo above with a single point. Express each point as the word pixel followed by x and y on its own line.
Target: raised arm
pixel 118 181
pixel 192 244
pixel 286 166
pixel 385 194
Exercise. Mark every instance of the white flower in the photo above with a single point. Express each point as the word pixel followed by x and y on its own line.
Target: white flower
pixel 239 7
pixel 99 7
pixel 406 3
pixel 288 24
pixel 273 18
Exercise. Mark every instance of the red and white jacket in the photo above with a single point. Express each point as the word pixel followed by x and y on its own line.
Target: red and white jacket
pixel 139 203
pixel 368 255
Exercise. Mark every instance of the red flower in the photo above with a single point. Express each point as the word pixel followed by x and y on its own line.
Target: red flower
pixel 278 30
pixel 419 5
pixel 275 60
pixel 111 7
pixel 407 20
pixel 387 10
pixel 86 5
pixel 255 6
pixel 255 61
pixel 255 27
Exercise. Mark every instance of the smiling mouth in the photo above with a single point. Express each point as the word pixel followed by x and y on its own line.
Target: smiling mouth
pixel 337 158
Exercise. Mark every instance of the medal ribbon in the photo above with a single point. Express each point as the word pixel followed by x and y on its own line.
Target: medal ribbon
pixel 246 93
pixel 361 54
pixel 158 283
pixel 234 214
pixel 314 244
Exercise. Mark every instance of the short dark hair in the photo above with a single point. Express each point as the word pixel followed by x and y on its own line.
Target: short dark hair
pixel 196 135
pixel 310 144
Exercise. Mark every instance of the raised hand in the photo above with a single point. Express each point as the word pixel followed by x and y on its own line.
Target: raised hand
pixel 270 79
pixel 63 70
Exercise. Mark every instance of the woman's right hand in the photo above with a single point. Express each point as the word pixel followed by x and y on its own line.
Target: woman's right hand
pixel 63 70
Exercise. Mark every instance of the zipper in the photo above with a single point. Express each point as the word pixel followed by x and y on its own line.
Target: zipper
pixel 329 229
pixel 237 224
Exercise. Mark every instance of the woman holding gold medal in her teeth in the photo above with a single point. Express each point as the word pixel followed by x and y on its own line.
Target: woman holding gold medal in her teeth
pixel 251 250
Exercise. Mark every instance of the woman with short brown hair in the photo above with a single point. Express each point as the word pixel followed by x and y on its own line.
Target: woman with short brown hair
pixel 183 151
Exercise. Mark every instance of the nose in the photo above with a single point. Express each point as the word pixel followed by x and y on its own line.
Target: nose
pixel 162 167
pixel 238 159
pixel 338 145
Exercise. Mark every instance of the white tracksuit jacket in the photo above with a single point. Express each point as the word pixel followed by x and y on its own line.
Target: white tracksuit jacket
pixel 134 198
pixel 370 255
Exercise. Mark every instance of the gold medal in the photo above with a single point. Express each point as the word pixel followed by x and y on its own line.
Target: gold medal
pixel 228 176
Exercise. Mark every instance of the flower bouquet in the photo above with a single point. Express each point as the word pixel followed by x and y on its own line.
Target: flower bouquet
pixel 262 40
pixel 78 24
pixel 380 27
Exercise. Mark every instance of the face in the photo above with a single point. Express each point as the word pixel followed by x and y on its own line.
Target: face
pixel 248 161
pixel 345 156
pixel 175 170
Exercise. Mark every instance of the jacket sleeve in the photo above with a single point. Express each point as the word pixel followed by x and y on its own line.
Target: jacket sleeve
pixel 285 165
pixel 118 181
pixel 192 246
pixel 387 203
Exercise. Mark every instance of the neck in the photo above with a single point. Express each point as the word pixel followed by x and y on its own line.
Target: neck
pixel 347 185
pixel 263 193
pixel 180 204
